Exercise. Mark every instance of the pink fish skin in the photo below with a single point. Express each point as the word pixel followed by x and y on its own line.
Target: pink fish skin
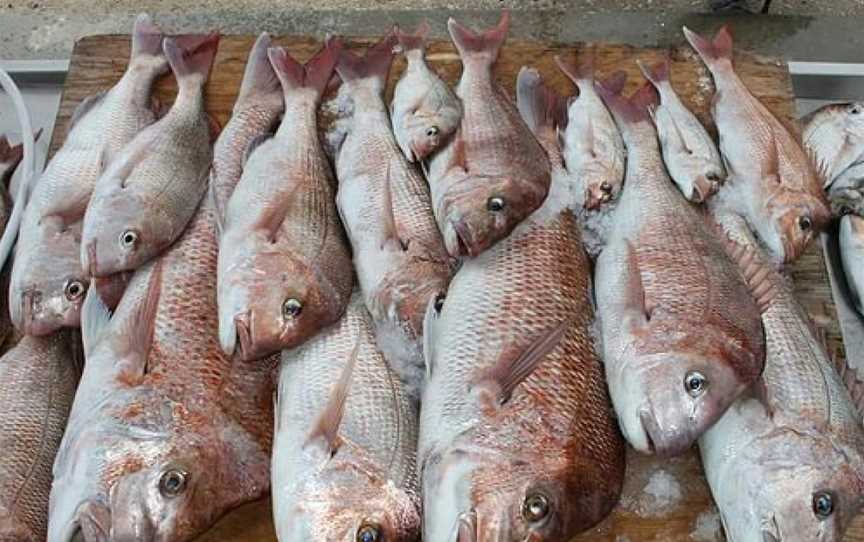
pixel 772 182
pixel 284 264
pixel 145 198
pixel 48 285
pixel 167 433
pixel 493 173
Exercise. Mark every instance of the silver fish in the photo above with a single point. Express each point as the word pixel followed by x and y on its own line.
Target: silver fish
pixel 48 284
pixel 834 137
pixel 852 257
pixel 344 454
pixel 786 463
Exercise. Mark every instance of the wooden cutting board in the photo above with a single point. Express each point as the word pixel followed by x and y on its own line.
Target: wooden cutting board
pixel 664 500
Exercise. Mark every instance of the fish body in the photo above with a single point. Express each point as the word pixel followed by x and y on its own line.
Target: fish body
pixel 592 145
pixel 425 112
pixel 385 207
pixel 493 173
pixel 689 152
pixel 852 256
pixel 47 283
pixel 681 334
pixel 284 264
pixel 145 198
pixel 38 378
pixel 356 476
pixel 167 433
pixel 771 181
pixel 492 415
pixel 786 463
pixel 834 137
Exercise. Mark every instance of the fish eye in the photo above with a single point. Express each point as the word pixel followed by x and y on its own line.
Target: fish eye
pixel 535 508
pixel 291 308
pixel 695 383
pixel 495 204
pixel 805 223
pixel 605 187
pixel 713 177
pixel 432 131
pixel 439 301
pixel 173 482
pixel 823 504
pixel 74 289
pixel 129 239
pixel 855 109
pixel 369 532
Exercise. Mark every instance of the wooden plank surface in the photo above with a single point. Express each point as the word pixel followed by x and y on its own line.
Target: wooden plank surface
pixel 664 500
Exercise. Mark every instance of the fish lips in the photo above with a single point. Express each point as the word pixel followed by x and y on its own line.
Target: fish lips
pixel 90 523
pixel 664 442
pixel 459 241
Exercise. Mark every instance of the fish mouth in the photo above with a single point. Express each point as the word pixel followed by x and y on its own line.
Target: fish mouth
pixel 31 307
pixel 92 523
pixel 703 189
pixel 458 243
pixel 660 442
pixel 597 195
pixel 466 527
pixel 89 264
pixel 243 326
pixel 771 531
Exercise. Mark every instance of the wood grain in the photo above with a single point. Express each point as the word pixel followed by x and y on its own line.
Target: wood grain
pixel 664 500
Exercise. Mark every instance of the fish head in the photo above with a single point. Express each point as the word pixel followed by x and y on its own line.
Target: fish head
pixel 793 221
pixel 121 232
pixel 600 190
pixel 708 176
pixel 830 133
pixel 428 130
pixel 485 209
pixel 672 398
pixel 151 479
pixel 798 486
pixel 349 498
pixel 47 287
pixel 272 301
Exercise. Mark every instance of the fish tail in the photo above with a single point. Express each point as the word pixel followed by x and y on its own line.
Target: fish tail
pixel 540 107
pixel 415 41
pixel 259 79
pixel 191 56
pixel 485 45
pixel 630 110
pixel 579 72
pixel 316 73
pixel 146 37
pixel 711 51
pixel 375 64
pixel 658 74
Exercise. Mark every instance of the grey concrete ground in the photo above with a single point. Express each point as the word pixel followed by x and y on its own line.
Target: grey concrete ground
pixel 827 30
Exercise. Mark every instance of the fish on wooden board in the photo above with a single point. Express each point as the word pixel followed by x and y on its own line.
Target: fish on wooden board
pixel 493 173
pixel 787 461
pixel 284 264
pixel 147 195
pixel 345 448
pixel 424 112
pixel 771 181
pixel 48 286
pixel 38 378
pixel 681 333
pixel 167 433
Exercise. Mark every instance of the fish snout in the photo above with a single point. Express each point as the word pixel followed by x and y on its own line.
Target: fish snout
pixel 466 527
pixel 662 442
pixel 457 240
pixel 703 188
pixel 92 524
pixel 598 194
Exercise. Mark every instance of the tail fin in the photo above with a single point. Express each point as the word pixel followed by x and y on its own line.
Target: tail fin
pixel 720 48
pixel 374 64
pixel 540 107
pixel 488 43
pixel 146 37
pixel 191 55
pixel 658 74
pixel 415 41
pixel 614 83
pixel 316 73
pixel 582 71
pixel 630 110
pixel 259 79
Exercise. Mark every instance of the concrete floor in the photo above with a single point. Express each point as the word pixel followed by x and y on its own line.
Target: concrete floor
pixel 822 30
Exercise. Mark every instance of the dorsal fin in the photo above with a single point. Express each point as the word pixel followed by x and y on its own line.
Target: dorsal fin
pixel 325 431
pixel 510 371
pixel 756 272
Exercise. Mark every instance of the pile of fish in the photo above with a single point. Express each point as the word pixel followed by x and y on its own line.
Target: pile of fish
pixel 463 315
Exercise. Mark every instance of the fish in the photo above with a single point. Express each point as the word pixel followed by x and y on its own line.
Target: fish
pixel 284 263
pixel 517 436
pixel 786 462
pixel 147 195
pixel 851 237
pixel 770 179
pixel 345 448
pixel 493 172
pixel 424 112
pixel 833 135
pixel 593 149
pixel 689 152
pixel 258 107
pixel 386 209
pixel 47 285
pixel 38 377
pixel 166 433
pixel 846 193
pixel 681 333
